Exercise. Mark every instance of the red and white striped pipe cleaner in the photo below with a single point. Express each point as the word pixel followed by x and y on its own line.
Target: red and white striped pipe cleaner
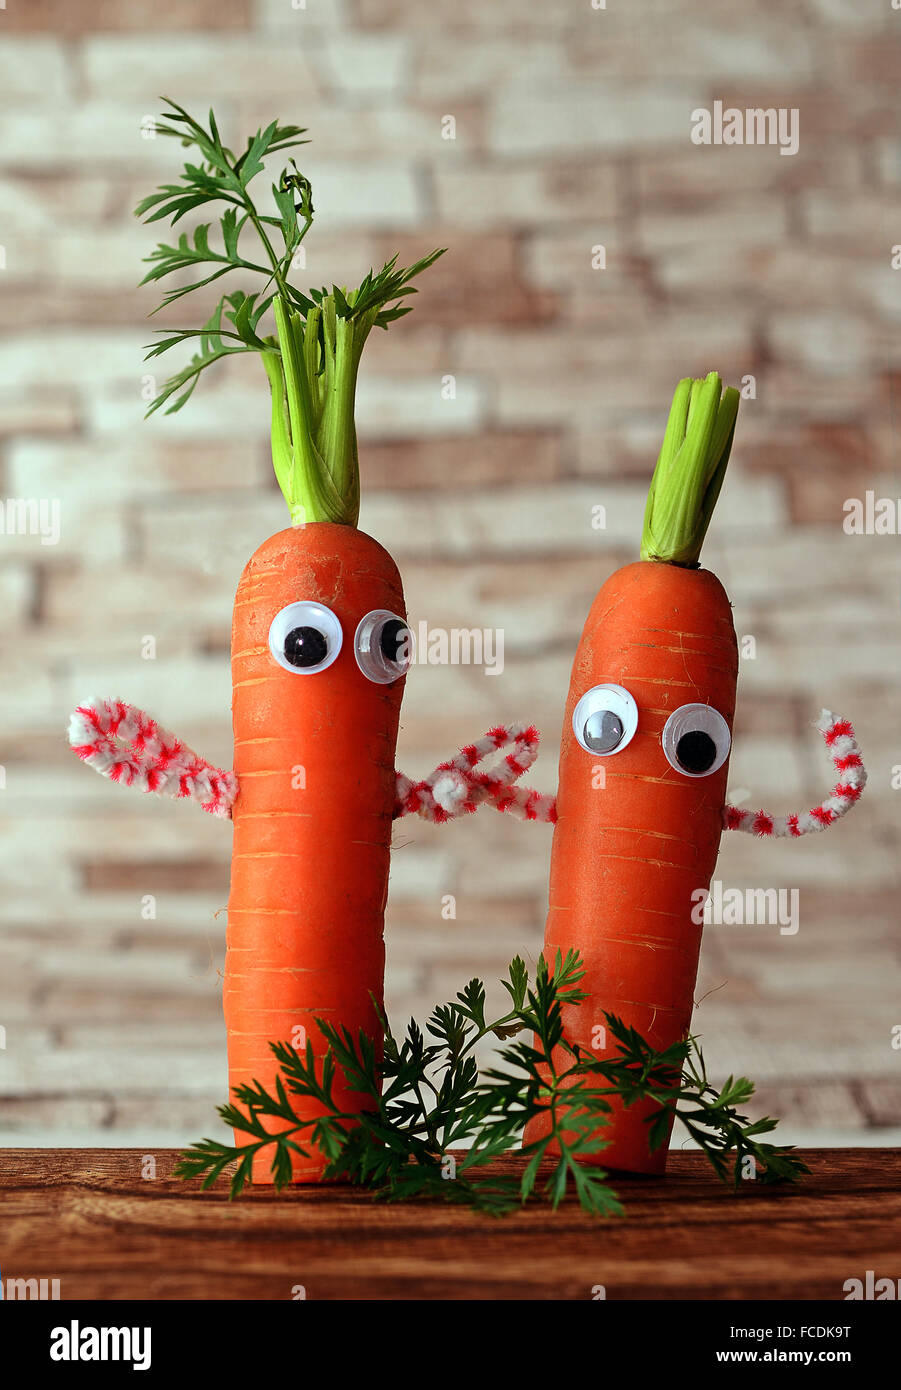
pixel 123 743
pixel 852 778
pixel 459 786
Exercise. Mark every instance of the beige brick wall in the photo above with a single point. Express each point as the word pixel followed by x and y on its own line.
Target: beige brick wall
pixel 572 131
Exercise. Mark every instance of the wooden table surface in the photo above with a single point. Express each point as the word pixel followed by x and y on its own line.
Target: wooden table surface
pixel 89 1218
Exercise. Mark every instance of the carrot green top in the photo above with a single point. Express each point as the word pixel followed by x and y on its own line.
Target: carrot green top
pixel 312 359
pixel 689 471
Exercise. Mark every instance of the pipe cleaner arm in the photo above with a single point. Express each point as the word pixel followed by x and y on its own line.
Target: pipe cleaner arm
pixel 460 786
pixel 123 743
pixel 852 778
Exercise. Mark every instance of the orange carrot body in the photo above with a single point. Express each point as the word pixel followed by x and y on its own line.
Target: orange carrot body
pixel 628 854
pixel 315 760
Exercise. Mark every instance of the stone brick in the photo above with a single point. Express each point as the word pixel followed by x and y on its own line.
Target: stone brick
pixel 538 605
pixel 295 19
pixel 413 349
pixel 773 570
pixel 542 521
pixel 31 412
pixel 372 194
pixel 767 765
pixel 873 63
pixel 525 195
pixel 355 64
pixel 829 340
pixel 881 1102
pixel 888 160
pixel 453 462
pixel 126 68
pixel 153 466
pixel 100 134
pixel 793 390
pixel 99 259
pixel 879 287
pixel 674 337
pixel 480 279
pixel 193 1071
pixel 469 16
pixel 369 128
pixel 400 409
pixel 17 595
pixel 862 223
pixel 459 69
pixel 75 17
pixel 849 17
pixel 705 176
pixel 33 68
pixel 750 221
pixel 145 598
pixel 69 307
pixel 828 1103
pixel 34 206
pixel 621 47
pixel 571 116
pixel 70 358
pixel 184 876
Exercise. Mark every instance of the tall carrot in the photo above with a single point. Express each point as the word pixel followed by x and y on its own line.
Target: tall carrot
pixel 643 764
pixel 320 645
pixel 314 758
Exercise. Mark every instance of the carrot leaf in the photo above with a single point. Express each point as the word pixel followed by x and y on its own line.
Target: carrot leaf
pixel 312 357
pixel 431 1123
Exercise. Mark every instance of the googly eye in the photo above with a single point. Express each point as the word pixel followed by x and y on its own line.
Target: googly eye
pixel 696 740
pixel 305 638
pixel 382 646
pixel 605 719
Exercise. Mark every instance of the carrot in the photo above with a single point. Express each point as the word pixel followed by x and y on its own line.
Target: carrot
pixel 319 637
pixel 643 766
pixel 314 758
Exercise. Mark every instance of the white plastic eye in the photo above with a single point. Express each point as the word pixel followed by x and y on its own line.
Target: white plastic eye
pixel 696 740
pixel 305 638
pixel 605 719
pixel 382 646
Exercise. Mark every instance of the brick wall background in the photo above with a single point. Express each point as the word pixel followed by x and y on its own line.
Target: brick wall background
pixel 572 131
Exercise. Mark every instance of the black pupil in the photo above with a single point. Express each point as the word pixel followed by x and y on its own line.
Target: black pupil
pixel 305 647
pixel 392 639
pixel 696 751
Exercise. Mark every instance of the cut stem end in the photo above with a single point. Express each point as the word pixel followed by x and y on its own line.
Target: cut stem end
pixel 690 471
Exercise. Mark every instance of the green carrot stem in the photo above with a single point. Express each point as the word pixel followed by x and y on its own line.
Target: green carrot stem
pixel 690 471
pixel 302 473
pixel 338 433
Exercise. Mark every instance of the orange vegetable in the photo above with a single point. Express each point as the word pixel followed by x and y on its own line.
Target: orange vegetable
pixel 314 757
pixel 642 773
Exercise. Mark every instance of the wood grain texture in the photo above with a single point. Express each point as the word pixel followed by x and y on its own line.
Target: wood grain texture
pixel 87 1217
